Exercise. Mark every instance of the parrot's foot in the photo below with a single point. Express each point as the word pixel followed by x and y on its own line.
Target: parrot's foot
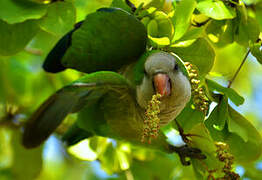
pixel 187 152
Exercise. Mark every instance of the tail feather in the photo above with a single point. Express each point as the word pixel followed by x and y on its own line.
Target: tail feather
pixel 47 118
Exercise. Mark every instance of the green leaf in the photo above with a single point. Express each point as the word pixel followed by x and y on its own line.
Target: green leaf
pixel 240 125
pixel 259 14
pixel 240 129
pixel 121 4
pixel 14 37
pixel 193 33
pixel 150 168
pixel 215 118
pixel 199 53
pixel 220 32
pixel 5 147
pixel 189 117
pixel 150 3
pixel 152 28
pixel 229 92
pixel 216 9
pixel 16 11
pixel 109 160
pixel 60 18
pixel 22 155
pixel 159 42
pixel 202 140
pixel 221 113
pixel 182 17
pixel 256 50
pixel 164 25
pixel 245 151
pixel 247 31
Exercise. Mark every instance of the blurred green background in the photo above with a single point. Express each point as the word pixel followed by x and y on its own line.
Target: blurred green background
pixel 24 86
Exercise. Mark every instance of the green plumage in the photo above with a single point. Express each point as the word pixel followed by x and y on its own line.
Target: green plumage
pixel 107 40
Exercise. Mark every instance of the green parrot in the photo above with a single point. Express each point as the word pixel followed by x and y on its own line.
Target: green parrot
pixel 111 100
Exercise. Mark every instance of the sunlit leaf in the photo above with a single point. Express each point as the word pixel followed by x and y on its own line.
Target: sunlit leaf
pixel 60 18
pixel 220 32
pixel 15 37
pixel 256 50
pixel 247 31
pixel 241 126
pixel 220 114
pixel 152 28
pixel 164 25
pixel 216 9
pixel 182 17
pixel 240 129
pixel 160 42
pixel 109 160
pixel 189 117
pixel 199 53
pixel 231 93
pixel 259 14
pixel 202 139
pixel 22 155
pixel 15 11
pixel 193 33
pixel 121 4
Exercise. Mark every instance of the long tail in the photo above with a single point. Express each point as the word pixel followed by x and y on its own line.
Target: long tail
pixel 47 118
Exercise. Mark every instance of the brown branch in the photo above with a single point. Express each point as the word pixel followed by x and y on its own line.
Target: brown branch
pixel 238 70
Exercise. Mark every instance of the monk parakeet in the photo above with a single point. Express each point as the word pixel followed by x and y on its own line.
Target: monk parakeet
pixel 111 101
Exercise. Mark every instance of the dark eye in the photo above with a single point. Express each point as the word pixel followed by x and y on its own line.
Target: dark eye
pixel 176 67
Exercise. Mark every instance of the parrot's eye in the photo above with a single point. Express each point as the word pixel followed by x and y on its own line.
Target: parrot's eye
pixel 176 67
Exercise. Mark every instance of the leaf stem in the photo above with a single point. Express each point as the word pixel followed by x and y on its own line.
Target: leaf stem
pixel 238 70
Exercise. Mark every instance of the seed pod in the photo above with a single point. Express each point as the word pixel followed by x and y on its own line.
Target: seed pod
pixel 151 122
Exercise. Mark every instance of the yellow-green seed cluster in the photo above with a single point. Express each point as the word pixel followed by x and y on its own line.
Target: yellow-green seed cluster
pixel 199 98
pixel 151 120
pixel 228 159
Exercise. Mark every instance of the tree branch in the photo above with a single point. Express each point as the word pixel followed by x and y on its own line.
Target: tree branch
pixel 238 70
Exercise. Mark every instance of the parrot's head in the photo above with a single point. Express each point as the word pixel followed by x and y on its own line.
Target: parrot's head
pixel 163 75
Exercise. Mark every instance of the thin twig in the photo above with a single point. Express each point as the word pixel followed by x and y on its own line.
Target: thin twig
pixel 239 68
pixel 131 5
pixel 33 51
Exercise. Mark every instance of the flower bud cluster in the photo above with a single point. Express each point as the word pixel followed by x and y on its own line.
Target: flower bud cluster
pixel 228 159
pixel 199 98
pixel 151 120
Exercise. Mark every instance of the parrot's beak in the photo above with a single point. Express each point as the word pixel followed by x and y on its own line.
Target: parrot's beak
pixel 162 84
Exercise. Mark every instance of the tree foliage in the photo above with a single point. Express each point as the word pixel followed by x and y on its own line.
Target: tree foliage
pixel 216 37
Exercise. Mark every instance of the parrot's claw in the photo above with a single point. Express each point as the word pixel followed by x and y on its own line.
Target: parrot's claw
pixel 186 151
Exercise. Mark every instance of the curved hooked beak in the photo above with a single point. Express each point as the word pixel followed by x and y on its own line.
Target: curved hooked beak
pixel 162 84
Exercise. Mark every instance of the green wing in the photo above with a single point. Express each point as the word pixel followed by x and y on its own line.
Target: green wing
pixel 108 39
pixel 71 98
